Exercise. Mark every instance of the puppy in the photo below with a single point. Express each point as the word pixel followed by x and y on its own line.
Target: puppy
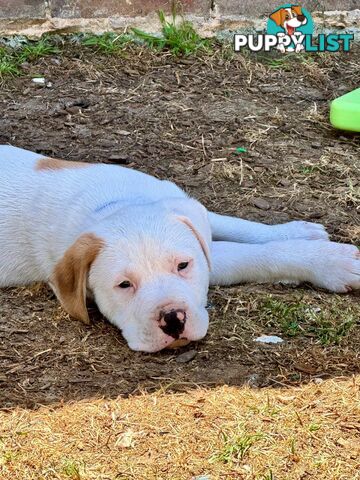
pixel 143 250
pixel 289 18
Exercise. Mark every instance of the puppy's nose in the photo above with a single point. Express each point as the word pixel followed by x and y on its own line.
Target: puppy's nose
pixel 173 323
pixel 301 18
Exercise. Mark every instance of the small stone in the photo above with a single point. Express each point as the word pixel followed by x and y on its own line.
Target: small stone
pixel 123 132
pixel 39 81
pixel 269 339
pixel 186 356
pixel 318 380
pixel 285 182
pixel 261 203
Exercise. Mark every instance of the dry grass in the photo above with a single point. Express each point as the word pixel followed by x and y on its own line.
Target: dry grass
pixel 240 433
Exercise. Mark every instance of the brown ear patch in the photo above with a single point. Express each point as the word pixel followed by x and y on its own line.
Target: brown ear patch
pixel 70 275
pixel 200 239
pixel 278 16
pixel 297 9
pixel 48 163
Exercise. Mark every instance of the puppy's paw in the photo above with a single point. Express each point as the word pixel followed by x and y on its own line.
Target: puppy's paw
pixel 337 267
pixel 299 230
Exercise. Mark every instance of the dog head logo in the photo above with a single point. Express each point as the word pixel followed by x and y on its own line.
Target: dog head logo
pixel 290 28
pixel 289 19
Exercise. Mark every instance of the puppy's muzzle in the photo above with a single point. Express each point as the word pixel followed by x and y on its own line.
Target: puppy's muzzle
pixel 172 323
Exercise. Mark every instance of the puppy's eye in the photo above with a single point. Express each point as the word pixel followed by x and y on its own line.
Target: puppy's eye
pixel 125 284
pixel 182 266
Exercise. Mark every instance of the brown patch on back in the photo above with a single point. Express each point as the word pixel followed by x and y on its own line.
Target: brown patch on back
pixel 48 163
pixel 71 272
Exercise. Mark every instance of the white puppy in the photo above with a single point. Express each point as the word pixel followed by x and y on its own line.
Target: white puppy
pixel 142 249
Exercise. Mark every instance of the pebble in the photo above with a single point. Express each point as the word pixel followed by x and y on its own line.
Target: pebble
pixel 186 356
pixel 39 81
pixel 269 339
pixel 285 182
pixel 261 203
pixel 318 380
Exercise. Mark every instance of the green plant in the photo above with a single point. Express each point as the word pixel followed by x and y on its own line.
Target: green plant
pixel 33 50
pixel 329 326
pixel 180 38
pixel 330 332
pixel 8 67
pixel 12 58
pixel 314 427
pixel 72 470
pixel 108 42
pixel 309 169
pixel 288 317
pixel 235 448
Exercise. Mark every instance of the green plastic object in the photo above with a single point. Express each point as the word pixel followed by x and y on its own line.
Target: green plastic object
pixel 345 111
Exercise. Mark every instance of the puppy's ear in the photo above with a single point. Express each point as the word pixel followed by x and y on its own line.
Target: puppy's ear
pixel 70 275
pixel 195 216
pixel 277 17
pixel 297 9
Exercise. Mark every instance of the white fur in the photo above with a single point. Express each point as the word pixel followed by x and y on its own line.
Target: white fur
pixel 143 223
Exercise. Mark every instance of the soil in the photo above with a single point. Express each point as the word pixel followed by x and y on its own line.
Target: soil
pixel 182 119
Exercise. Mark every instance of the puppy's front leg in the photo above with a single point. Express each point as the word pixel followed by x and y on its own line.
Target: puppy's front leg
pixel 329 265
pixel 234 229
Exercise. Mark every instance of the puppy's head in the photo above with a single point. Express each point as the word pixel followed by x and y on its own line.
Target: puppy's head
pixel 148 270
pixel 289 18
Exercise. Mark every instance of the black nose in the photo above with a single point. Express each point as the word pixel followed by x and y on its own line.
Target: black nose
pixel 173 323
pixel 301 18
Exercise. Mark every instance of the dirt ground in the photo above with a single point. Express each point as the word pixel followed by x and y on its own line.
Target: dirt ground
pixel 183 119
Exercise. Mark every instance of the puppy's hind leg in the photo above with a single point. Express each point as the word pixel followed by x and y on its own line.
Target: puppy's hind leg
pixel 234 229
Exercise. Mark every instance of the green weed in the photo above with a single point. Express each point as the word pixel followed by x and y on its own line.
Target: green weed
pixel 287 316
pixel 180 38
pixel 12 58
pixel 108 42
pixel 314 427
pixel 329 326
pixel 72 470
pixel 8 67
pixel 33 50
pixel 235 448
